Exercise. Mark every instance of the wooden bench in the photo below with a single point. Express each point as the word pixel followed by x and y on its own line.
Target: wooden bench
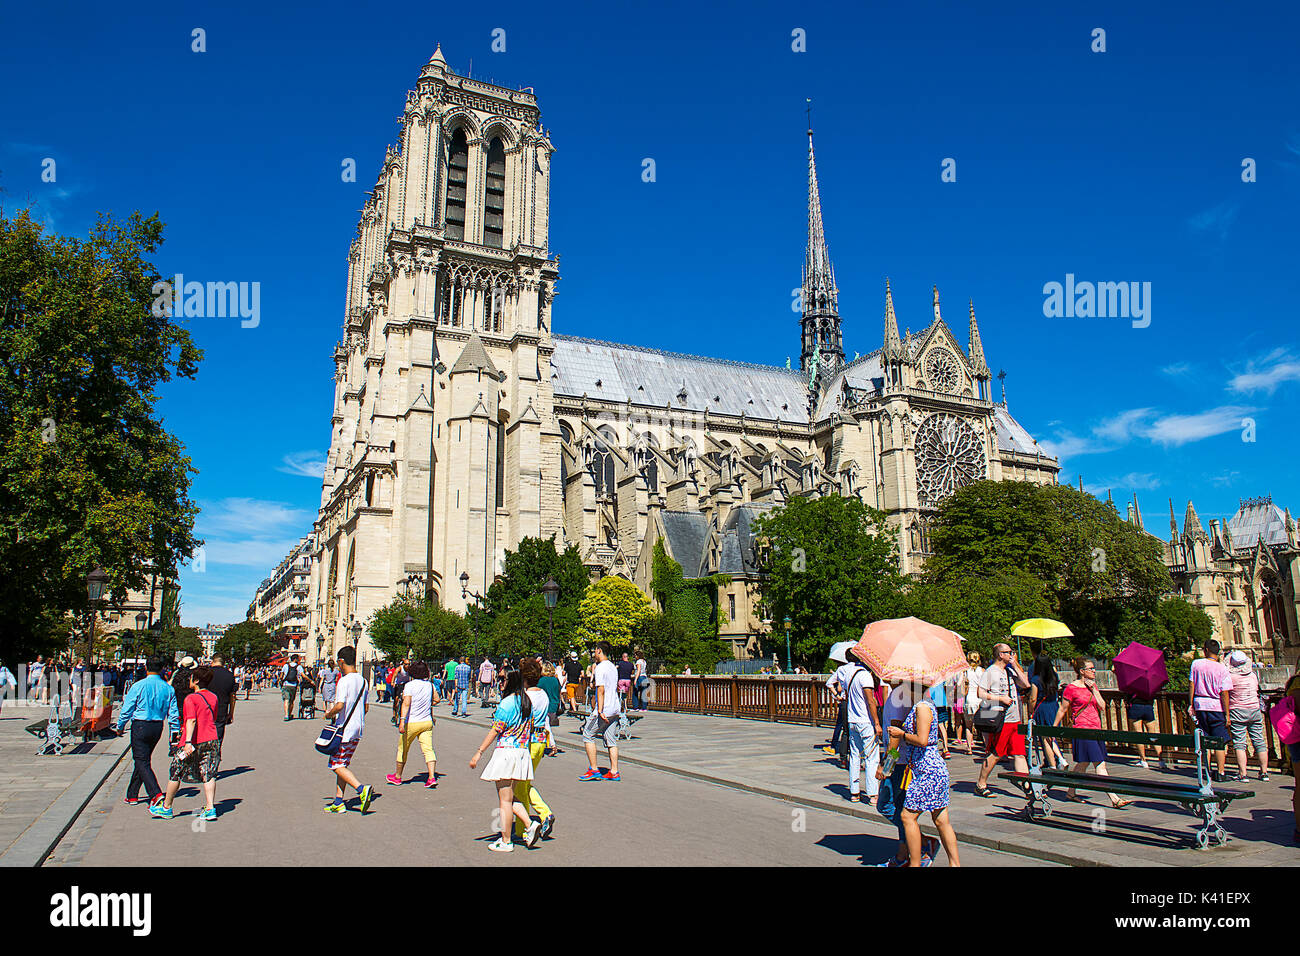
pixel 1200 798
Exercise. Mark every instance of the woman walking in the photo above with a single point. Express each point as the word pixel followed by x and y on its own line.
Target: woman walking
pixel 640 681
pixel 1044 703
pixel 929 789
pixel 512 729
pixel 966 686
pixel 525 792
pixel 1081 707
pixel 415 722
pixel 1245 718
pixel 198 757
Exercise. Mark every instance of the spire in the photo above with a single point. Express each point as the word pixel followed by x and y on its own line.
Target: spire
pixel 893 344
pixel 821 313
pixel 976 347
pixel 1192 523
pixel 1173 522
pixel 1137 510
pixel 937 316
pixel 437 63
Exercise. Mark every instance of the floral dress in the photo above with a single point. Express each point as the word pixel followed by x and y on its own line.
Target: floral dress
pixel 929 787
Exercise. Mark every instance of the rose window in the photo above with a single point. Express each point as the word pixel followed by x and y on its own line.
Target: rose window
pixel 941 371
pixel 949 455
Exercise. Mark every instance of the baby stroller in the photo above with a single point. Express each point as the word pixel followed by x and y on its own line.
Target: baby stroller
pixel 307 700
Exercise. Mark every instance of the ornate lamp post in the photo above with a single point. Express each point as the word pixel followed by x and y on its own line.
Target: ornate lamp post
pixel 356 633
pixel 551 591
pixel 320 647
pixel 408 625
pixel 788 668
pixel 141 620
pixel 96 581
pixel 465 595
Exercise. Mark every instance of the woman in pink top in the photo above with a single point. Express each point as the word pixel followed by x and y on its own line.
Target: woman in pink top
pixel 1245 719
pixel 1081 707
pixel 198 756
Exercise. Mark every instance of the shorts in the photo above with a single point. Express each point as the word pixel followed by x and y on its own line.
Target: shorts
pixel 624 686
pixel 1212 724
pixel 1141 711
pixel 343 756
pixel 200 766
pixel 571 690
pixel 1007 742
pixel 1247 729
pixel 287 692
pixel 598 727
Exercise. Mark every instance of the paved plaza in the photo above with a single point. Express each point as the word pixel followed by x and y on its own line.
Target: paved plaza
pixel 696 791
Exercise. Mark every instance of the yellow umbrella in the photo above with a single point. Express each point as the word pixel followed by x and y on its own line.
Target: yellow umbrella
pixel 1039 627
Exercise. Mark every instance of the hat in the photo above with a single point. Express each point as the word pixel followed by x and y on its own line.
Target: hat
pixel 573 654
pixel 1238 657
pixel 187 661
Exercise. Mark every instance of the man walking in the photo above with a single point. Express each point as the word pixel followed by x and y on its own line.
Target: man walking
pixel 573 676
pixel 148 703
pixel 486 675
pixel 449 679
pixel 352 706
pixel 223 686
pixel 289 678
pixel 328 683
pixel 999 692
pixel 461 701
pixel 1209 683
pixel 603 720
pixel 862 721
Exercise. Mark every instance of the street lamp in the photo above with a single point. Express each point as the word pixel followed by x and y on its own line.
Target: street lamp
pixel 141 620
pixel 551 591
pixel 356 633
pixel 320 646
pixel 465 595
pixel 96 581
pixel 787 646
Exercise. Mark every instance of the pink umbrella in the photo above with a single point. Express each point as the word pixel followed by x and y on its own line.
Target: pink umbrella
pixel 1140 671
pixel 910 649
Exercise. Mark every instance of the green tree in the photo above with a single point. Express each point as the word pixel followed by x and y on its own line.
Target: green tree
pixel 261 645
pixel 612 610
pixel 182 640
pixel 831 567
pixel 983 608
pixel 436 633
pixel 1092 567
pixel 519 589
pixel 666 638
pixel 88 474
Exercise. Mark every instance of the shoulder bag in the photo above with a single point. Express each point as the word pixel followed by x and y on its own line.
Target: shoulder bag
pixel 331 735
pixel 986 721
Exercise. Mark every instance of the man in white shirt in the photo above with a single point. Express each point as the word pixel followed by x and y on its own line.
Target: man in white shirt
pixel 350 705
pixel 863 724
pixel 603 720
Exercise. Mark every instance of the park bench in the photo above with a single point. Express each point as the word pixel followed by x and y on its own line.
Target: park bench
pixel 1200 798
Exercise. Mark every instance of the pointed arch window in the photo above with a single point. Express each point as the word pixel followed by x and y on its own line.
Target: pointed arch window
pixel 494 195
pixel 602 463
pixel 457 182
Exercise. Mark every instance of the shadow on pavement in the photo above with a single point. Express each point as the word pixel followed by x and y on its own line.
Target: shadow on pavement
pixel 869 849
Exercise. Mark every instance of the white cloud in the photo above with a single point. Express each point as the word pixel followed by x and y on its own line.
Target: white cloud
pixel 1176 369
pixel 1267 372
pixel 1067 445
pixel 253 517
pixel 1216 220
pixel 308 464
pixel 1124 426
pixel 1181 429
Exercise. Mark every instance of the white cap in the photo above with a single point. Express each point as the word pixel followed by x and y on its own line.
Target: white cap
pixel 1238 657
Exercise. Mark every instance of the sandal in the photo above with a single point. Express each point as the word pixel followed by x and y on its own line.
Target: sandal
pixel 1122 804
pixel 984 792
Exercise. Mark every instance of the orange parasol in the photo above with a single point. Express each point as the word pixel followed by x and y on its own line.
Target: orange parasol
pixel 909 649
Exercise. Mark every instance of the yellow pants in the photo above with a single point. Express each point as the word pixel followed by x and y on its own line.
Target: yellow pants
pixel 527 794
pixel 422 730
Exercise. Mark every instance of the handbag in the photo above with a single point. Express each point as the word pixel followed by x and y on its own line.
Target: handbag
pixel 331 735
pixel 1285 721
pixel 984 720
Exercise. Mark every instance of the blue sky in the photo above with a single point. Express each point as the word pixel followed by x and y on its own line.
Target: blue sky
pixel 1117 166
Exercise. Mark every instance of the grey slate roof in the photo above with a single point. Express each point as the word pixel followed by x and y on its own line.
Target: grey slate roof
pixel 647 376
pixel 738 539
pixel 473 357
pixel 1012 435
pixel 1257 518
pixel 687 533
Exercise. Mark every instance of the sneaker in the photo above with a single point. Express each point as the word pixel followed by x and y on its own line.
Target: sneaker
pixel 157 800
pixel 830 750
pixel 130 801
pixel 592 774
pixel 394 779
pixel 338 806
pixel 892 863
pixel 532 834
pixel 612 777
pixel 366 793
pixel 1143 764
pixel 926 860
pixel 159 811
pixel 547 826
pixel 209 814
pixel 1263 776
pixel 431 782
pixel 501 846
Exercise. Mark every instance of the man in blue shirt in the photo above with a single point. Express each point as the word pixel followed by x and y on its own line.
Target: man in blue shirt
pixel 148 703
pixel 461 700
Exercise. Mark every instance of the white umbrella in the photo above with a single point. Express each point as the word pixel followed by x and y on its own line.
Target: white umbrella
pixel 839 652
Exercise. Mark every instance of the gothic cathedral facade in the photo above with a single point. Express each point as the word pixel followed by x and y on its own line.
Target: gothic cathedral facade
pixel 462 423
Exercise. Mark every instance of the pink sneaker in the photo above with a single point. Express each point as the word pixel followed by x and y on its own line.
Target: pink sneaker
pixel 394 779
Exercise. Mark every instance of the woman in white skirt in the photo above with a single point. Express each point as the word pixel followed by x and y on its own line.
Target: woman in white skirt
pixel 512 729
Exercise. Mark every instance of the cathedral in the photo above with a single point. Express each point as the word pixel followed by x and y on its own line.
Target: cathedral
pixel 463 422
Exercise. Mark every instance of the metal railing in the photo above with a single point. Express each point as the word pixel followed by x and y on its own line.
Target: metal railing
pixel 804 699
